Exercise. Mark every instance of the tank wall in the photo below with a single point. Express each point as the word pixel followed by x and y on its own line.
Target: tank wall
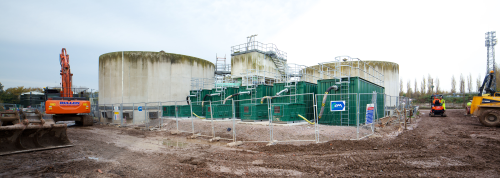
pixel 148 76
pixel 254 60
pixel 390 71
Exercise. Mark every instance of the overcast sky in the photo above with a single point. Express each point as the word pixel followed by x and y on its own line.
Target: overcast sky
pixel 441 38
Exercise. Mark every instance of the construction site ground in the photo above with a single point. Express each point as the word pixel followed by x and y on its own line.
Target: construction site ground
pixel 453 146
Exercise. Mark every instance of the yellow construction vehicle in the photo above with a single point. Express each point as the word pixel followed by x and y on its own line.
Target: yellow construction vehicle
pixel 487 106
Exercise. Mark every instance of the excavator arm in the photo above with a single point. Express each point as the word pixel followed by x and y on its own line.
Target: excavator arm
pixel 66 74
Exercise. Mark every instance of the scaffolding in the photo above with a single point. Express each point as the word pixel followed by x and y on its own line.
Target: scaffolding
pixel 198 83
pixel 346 67
pixel 253 77
pixel 270 51
pixel 222 77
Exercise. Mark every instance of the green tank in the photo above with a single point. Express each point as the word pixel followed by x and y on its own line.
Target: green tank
pixel 348 90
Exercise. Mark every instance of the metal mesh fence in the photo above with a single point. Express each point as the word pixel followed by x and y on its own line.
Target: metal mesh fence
pixel 285 118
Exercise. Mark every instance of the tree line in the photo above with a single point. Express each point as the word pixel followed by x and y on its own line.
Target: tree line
pixel 11 95
pixel 461 85
pixel 429 85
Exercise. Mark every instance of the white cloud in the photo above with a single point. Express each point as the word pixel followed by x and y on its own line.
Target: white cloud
pixel 440 38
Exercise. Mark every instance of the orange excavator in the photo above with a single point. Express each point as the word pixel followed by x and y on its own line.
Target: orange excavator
pixel 26 130
pixel 66 107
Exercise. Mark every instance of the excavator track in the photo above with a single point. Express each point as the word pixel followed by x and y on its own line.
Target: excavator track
pixel 32 134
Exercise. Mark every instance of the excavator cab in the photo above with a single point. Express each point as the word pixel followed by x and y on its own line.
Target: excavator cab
pixel 436 106
pixel 487 106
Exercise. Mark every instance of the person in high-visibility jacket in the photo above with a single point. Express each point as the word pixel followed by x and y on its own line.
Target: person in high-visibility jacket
pixel 443 104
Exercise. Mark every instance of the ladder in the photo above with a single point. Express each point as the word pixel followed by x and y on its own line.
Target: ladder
pixel 280 63
pixel 344 96
pixel 292 91
pixel 220 69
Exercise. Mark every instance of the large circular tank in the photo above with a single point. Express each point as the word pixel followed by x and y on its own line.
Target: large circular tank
pixel 148 76
pixel 390 70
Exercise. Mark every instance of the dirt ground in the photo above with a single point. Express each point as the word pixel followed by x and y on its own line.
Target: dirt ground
pixel 453 146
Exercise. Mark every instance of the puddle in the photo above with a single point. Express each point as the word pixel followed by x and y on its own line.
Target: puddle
pixel 94 158
pixel 170 143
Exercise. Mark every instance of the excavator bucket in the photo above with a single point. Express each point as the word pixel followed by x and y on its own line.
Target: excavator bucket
pixel 32 134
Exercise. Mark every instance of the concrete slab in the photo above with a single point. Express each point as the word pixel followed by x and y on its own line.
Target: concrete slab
pixel 221 120
pixel 266 123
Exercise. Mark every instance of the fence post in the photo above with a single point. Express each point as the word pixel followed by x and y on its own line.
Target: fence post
pixel 121 114
pixel 269 116
pixel 133 109
pixel 212 117
pixel 315 116
pixel 146 115
pixel 192 119
pixel 234 121
pixel 176 119
pixel 357 115
pixel 160 114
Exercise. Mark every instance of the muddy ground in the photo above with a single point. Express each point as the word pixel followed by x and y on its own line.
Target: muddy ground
pixel 453 146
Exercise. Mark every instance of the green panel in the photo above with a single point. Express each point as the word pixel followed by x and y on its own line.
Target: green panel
pixel 185 110
pixel 219 111
pixel 300 88
pixel 263 90
pixel 259 92
pixel 288 112
pixel 253 112
pixel 245 97
pixel 217 98
pixel 355 86
pixel 231 91
pixel 168 111
pixel 199 95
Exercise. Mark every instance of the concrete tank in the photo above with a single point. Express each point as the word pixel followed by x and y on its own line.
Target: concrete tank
pixel 148 76
pixel 253 61
pixel 390 70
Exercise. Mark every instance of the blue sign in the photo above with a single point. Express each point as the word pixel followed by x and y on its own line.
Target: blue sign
pixel 337 105
pixel 69 103
pixel 140 108
pixel 369 113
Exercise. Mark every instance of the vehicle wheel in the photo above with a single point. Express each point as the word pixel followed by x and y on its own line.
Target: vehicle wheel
pixel 87 120
pixel 490 118
pixel 444 115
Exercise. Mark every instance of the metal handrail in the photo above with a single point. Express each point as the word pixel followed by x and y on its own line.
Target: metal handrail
pixel 255 46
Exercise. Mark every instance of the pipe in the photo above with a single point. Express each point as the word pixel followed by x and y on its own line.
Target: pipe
pixel 240 93
pixel 244 92
pixel 334 87
pixel 277 94
pixel 203 101
pixel 284 90
pixel 268 97
pixel 230 96
pixel 305 119
pixel 187 98
pixel 198 116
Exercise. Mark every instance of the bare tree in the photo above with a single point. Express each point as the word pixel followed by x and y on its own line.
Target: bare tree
pixel 453 84
pixel 430 84
pixel 469 83
pixel 416 89
pixel 401 87
pixel 423 85
pixel 462 83
pixel 408 88
pixel 478 82
pixel 437 86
